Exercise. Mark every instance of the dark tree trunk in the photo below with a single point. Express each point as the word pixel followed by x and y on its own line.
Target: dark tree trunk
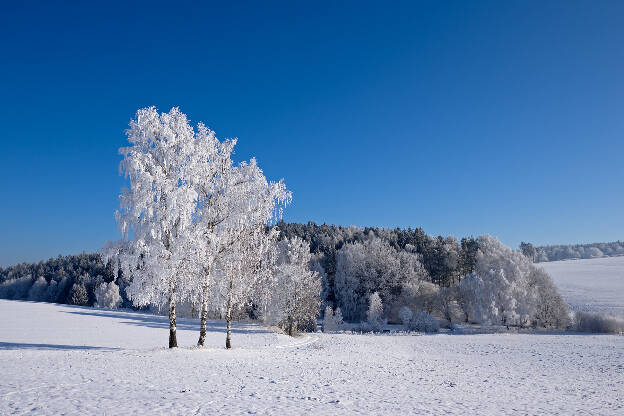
pixel 173 340
pixel 228 317
pixel 204 315
pixel 290 326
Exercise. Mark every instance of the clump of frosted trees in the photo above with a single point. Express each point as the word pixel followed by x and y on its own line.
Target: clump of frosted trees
pixel 196 229
pixel 374 283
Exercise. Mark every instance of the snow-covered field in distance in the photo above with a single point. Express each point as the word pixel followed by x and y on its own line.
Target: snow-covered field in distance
pixel 595 285
pixel 59 359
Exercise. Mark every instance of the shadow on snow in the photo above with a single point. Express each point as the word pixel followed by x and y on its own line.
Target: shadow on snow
pixel 26 346
pixel 162 322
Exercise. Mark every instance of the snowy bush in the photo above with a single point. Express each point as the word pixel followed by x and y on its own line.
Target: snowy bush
pixel 374 315
pixel 594 322
pixel 38 290
pixel 423 322
pixel 107 296
pixel 16 288
pixel 405 315
pixel 294 298
pixel 332 321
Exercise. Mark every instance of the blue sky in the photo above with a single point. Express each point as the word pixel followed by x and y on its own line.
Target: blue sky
pixel 460 117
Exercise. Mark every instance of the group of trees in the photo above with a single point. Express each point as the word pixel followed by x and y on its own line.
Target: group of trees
pixel 413 274
pixel 197 229
pixel 576 251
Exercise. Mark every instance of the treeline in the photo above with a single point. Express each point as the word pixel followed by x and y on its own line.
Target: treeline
pixel 394 275
pixel 70 280
pixel 572 251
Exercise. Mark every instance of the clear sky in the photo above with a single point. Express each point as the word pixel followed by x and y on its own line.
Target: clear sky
pixel 460 117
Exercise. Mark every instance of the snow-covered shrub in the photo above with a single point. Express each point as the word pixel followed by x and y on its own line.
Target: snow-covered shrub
pixel 424 322
pixel 374 315
pixel 78 295
pixel 107 296
pixel 332 320
pixel 595 322
pixel 16 288
pixel 38 290
pixel 405 315
pixel 295 293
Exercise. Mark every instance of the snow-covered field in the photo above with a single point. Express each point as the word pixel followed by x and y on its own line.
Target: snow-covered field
pixel 595 285
pixel 60 359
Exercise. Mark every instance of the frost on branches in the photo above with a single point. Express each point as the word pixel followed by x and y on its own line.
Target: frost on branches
pixel 188 211
pixel 507 289
pixel 107 296
pixel 295 290
pixel 157 210
pixel 332 320
pixel 374 315
pixel 246 265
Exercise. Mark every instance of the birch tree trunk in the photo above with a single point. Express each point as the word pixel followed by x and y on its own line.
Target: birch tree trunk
pixel 173 339
pixel 228 316
pixel 204 312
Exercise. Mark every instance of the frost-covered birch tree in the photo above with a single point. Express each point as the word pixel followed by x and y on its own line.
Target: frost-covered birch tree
pixel 213 179
pixel 250 253
pixel 157 209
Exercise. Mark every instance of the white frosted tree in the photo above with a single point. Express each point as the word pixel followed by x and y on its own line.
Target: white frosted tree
pixel 295 289
pixel 248 260
pixel 374 315
pixel 507 289
pixel 157 209
pixel 328 320
pixel 245 270
pixel 214 180
pixel 107 296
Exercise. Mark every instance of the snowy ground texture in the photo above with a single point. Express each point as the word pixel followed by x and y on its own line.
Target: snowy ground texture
pixel 593 285
pixel 69 360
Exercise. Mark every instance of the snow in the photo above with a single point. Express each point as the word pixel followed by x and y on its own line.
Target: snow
pixel 595 285
pixel 74 360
